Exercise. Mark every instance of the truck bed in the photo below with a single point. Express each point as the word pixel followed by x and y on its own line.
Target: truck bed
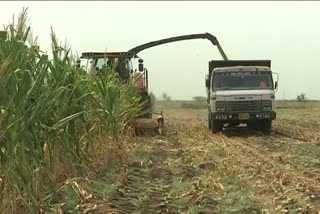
pixel 228 63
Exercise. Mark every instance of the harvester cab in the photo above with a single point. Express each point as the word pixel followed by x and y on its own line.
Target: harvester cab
pixel 118 61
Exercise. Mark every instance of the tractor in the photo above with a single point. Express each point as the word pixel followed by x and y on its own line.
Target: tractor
pixel 122 63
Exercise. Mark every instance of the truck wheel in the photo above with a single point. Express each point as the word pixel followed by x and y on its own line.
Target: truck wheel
pixel 216 126
pixel 209 121
pixel 266 126
pixel 253 126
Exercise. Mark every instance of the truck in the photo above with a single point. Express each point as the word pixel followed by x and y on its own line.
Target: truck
pixel 241 92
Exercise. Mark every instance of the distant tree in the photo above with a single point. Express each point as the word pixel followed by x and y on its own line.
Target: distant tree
pixel 200 99
pixel 166 97
pixel 302 97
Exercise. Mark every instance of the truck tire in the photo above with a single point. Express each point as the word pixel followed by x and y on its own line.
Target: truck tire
pixel 253 126
pixel 265 126
pixel 216 126
pixel 209 121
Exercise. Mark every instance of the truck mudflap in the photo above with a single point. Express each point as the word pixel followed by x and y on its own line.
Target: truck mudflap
pixel 244 116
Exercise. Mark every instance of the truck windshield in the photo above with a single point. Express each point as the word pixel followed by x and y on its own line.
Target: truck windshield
pixel 242 80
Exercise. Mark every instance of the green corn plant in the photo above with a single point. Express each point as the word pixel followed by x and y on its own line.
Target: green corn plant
pixel 50 116
pixel 116 103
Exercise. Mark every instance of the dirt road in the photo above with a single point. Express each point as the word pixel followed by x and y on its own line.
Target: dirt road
pixel 191 170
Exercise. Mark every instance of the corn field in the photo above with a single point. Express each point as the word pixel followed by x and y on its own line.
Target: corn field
pixel 54 119
pixel 67 145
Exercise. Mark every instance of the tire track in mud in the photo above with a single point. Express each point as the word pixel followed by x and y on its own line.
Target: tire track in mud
pixel 146 187
pixel 142 193
pixel 156 185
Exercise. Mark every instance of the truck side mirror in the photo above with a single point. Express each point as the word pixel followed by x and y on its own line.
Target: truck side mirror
pixel 140 67
pixel 140 64
pixel 276 82
pixel 207 81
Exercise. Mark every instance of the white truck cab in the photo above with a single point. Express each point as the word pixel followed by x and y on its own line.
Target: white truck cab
pixel 240 92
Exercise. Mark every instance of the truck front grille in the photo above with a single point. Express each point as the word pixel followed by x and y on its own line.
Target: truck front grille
pixel 244 106
pixel 266 102
pixel 220 104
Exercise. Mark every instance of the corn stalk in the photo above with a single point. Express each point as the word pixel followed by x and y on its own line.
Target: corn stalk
pixel 51 114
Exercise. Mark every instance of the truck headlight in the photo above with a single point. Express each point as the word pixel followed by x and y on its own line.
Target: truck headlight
pixel 266 108
pixel 220 109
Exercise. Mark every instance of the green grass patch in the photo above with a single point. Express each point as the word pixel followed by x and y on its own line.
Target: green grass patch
pixel 182 203
pixel 305 155
pixel 105 187
pixel 238 199
pixel 178 184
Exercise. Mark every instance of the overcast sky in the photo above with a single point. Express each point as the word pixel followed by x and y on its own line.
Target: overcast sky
pixel 288 33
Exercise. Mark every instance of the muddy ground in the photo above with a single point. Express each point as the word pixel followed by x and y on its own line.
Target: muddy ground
pixel 191 170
